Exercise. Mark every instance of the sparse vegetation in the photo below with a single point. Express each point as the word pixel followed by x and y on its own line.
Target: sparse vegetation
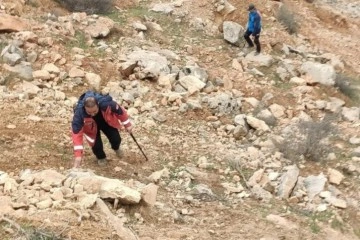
pixel 88 6
pixel 314 226
pixel 279 83
pixel 116 16
pixel 178 190
pixel 3 44
pixel 357 232
pixel 175 34
pixel 25 231
pixel 79 41
pixel 287 18
pixel 315 218
pixel 337 224
pixel 8 79
pixel 345 85
pixel 39 235
pixel 325 217
pixel 308 140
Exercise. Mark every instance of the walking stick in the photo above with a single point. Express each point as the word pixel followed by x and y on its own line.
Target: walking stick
pixel 132 135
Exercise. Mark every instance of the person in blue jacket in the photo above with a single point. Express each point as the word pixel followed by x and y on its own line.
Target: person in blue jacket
pixel 253 28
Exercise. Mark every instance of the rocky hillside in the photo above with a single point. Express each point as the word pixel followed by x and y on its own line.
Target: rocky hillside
pixel 239 146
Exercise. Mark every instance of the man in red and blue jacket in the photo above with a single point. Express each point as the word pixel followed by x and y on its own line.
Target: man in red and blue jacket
pixel 253 28
pixel 94 113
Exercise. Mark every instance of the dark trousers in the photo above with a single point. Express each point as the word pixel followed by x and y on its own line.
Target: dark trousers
pixel 114 138
pixel 250 42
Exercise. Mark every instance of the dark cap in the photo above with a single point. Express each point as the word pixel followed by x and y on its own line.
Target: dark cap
pixel 251 7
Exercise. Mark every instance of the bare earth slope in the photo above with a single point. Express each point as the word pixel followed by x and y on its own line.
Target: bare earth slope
pixel 181 140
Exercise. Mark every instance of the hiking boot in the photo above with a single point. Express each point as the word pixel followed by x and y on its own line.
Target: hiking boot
pixel 119 153
pixel 102 162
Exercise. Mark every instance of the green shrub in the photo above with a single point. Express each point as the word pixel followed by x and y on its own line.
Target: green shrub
pixel 287 18
pixel 88 6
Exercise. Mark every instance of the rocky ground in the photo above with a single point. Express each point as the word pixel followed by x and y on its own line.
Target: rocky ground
pixel 239 146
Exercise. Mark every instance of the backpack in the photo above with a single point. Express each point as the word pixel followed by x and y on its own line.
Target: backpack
pixel 99 98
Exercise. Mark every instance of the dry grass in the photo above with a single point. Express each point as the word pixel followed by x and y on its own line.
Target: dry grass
pixel 308 140
pixel 287 18
pixel 88 6
pixel 346 86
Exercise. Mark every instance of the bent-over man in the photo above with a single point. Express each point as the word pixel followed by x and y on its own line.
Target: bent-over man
pixel 94 113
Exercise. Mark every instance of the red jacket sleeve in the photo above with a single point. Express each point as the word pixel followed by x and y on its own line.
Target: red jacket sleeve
pixel 120 114
pixel 77 139
pixel 124 118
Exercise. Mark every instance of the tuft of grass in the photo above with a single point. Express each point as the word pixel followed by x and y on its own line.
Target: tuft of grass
pixel 287 18
pixel 116 16
pixel 308 140
pixel 336 224
pixel 88 6
pixel 315 228
pixel 281 84
pixel 357 232
pixel 79 41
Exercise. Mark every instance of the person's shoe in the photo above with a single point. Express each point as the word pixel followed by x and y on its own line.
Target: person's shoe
pixel 102 162
pixel 256 53
pixel 119 153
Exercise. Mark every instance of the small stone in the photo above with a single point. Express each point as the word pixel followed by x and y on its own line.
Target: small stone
pixel 184 211
pixel 321 208
pixel 293 199
pixel 236 178
pixel 44 204
pixel 339 203
pixel 335 176
pixel 212 118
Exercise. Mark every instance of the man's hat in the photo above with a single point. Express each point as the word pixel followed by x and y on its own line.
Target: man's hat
pixel 251 7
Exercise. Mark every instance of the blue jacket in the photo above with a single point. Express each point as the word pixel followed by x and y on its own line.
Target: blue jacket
pixel 254 23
